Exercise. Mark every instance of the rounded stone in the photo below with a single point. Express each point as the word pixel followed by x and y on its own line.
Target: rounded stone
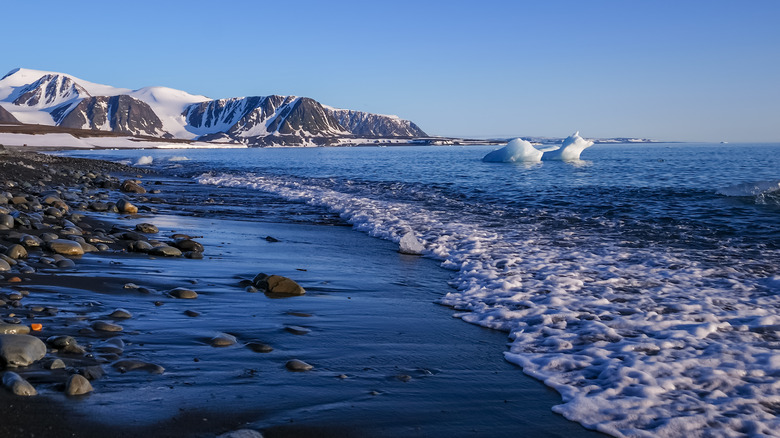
pixel 146 228
pixel 223 340
pixel 126 206
pixel 121 314
pixel 21 350
pixel 298 365
pixel 259 347
pixel 78 385
pixel 16 252
pixel 104 326
pixel 4 266
pixel 183 293
pixel 130 186
pixel 56 364
pixel 66 247
pixel 278 285
pixel 134 364
pixel 14 329
pixel 30 241
pixel 165 251
pixel 17 385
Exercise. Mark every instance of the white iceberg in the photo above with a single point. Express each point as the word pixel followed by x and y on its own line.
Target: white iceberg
pixel 570 150
pixel 517 150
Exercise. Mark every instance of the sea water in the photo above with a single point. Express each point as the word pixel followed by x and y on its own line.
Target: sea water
pixel 642 282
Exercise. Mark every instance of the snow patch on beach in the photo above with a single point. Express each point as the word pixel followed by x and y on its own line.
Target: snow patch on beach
pixel 639 341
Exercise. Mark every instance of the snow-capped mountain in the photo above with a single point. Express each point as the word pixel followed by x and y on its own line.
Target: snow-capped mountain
pixel 374 125
pixel 50 98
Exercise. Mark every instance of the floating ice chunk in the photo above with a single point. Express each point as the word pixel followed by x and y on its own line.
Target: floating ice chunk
pixel 571 148
pixel 144 161
pixel 517 150
pixel 410 245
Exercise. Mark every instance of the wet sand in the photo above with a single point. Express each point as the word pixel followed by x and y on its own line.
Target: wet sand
pixel 387 360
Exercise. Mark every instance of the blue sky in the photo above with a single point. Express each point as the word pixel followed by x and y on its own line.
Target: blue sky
pixel 698 70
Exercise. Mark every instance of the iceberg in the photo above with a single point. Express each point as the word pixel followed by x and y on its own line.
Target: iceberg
pixel 517 150
pixel 570 150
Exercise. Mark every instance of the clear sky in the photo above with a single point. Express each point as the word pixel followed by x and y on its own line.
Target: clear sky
pixel 695 70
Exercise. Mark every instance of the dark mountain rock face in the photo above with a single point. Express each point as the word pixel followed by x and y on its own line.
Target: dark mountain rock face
pixel 375 125
pixel 6 117
pixel 122 114
pixel 305 116
pixel 48 90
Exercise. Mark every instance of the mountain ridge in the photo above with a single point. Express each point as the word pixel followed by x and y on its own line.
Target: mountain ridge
pixel 58 99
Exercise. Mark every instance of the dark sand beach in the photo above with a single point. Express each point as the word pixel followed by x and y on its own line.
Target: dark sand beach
pixel 386 360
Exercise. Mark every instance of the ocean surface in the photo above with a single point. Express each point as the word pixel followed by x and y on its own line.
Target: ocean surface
pixel 641 283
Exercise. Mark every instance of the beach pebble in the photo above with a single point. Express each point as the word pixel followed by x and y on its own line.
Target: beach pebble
pixel 4 266
pixel 191 313
pixel 297 330
pixel 104 326
pixel 139 365
pixel 113 345
pixel 241 433
pixel 259 347
pixel 140 246
pixel 165 251
pixel 6 221
pixel 78 385
pixel 298 365
pixel 30 241
pixel 188 245
pixel 14 329
pixel 121 314
pixel 130 186
pixel 66 264
pixel 21 350
pixel 17 385
pixel 56 364
pixel 223 340
pixel 194 255
pixel 92 372
pixel 125 206
pixel 131 286
pixel 66 344
pixel 183 293
pixel 146 228
pixel 277 285
pixel 66 247
pixel 16 252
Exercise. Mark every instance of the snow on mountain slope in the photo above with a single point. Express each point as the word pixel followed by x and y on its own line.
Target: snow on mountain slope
pixel 170 104
pixel 51 98
pixel 375 125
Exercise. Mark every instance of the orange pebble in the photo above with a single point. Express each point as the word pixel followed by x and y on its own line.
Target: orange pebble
pixel 36 327
pixel 14 280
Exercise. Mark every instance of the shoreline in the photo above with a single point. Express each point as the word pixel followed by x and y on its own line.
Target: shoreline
pixel 343 331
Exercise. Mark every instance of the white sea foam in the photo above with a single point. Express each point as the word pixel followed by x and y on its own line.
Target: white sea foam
pixel 181 158
pixel 751 189
pixel 638 341
pixel 144 161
